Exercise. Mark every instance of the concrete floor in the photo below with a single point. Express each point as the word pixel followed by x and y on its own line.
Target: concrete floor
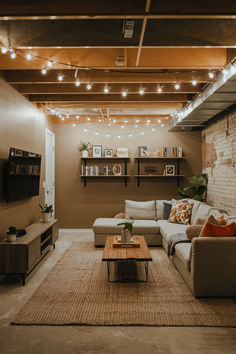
pixel 85 339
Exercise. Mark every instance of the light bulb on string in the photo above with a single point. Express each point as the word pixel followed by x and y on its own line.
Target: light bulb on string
pixel 85 130
pixel 122 126
pixel 88 118
pixel 211 75
pixel 60 77
pixel 194 82
pixel 77 117
pixel 28 56
pixel 49 63
pixel 96 133
pixel 177 86
pixel 159 89
pixel 142 133
pixel 44 71
pixel 130 135
pixel 13 55
pixel 62 118
pixel 124 93
pixel 107 135
pixel 77 83
pixel 73 125
pixel 153 129
pixel 4 50
pixel 141 91
pixel 89 86
pixel 118 136
pixel 106 89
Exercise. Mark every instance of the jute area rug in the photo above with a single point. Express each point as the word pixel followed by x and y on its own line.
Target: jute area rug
pixel 77 291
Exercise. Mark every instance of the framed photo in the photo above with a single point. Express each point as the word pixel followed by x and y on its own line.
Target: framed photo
pixel 122 152
pixel 142 151
pixel 170 170
pixel 97 150
pixel 108 152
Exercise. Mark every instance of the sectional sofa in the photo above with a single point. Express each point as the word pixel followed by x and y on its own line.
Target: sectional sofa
pixel 207 264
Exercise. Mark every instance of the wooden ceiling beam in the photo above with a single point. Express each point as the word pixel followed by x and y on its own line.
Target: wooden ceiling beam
pixel 99 88
pixel 115 105
pixel 110 98
pixel 92 76
pixel 150 58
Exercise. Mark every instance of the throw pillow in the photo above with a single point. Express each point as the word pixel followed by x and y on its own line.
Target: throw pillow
pixel 181 212
pixel 213 228
pixel 166 209
pixel 193 231
pixel 120 216
pixel 140 210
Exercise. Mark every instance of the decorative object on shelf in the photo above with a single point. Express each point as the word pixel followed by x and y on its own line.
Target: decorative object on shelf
pixel 97 150
pixel 170 170
pixel 198 188
pixel 122 152
pixel 150 170
pixel 171 151
pixel 11 233
pixel 126 234
pixel 84 148
pixel 117 170
pixel 142 151
pixel 108 152
pixel 46 212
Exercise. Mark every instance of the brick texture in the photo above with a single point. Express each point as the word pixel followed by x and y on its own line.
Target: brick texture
pixel 219 162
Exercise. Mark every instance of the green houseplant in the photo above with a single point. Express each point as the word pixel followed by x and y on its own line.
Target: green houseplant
pixel 197 188
pixel 46 211
pixel 11 233
pixel 127 230
pixel 84 148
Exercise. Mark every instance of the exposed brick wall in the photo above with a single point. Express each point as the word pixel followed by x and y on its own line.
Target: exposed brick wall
pixel 219 162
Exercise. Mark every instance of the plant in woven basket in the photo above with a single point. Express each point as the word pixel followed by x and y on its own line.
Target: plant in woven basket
pixel 197 188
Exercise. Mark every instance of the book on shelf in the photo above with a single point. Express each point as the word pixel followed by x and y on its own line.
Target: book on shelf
pixel 171 151
pixel 96 170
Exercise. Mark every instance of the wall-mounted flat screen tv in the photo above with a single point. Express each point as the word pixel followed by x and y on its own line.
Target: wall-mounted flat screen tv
pixel 23 175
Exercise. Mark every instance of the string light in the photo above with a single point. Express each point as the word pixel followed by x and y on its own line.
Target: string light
pixel 194 82
pixel 44 71
pixel 99 120
pixel 159 121
pixel 28 56
pixel 124 93
pixel 60 77
pixel 153 129
pixel 118 136
pixel 77 117
pixel 106 89
pixel 141 91
pixel 4 50
pixel 136 126
pixel 114 120
pixel 85 130
pixel 162 125
pixel 159 89
pixel 13 55
pixel 142 133
pixel 77 83
pixel 88 118
pixel 177 86
pixel 130 135
pixel 137 120
pixel 211 75
pixel 89 86
pixel 224 71
pixel 49 63
pixel 62 118
pixel 108 135
pixel 122 126
pixel 96 133
pixel 74 125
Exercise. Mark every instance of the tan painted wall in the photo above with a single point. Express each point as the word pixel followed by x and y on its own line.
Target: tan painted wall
pixel 219 162
pixel 77 206
pixel 21 126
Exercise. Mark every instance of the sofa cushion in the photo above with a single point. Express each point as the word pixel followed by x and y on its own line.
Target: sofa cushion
pixel 107 226
pixel 159 208
pixel 140 210
pixel 183 253
pixel 202 213
pixel 145 227
pixel 168 229
pixel 167 206
pixel 196 205
pixel 181 212
pixel 193 231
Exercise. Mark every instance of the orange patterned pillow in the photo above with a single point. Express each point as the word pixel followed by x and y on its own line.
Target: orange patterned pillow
pixel 181 212
pixel 212 230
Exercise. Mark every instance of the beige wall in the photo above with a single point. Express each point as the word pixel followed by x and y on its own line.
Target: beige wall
pixel 219 162
pixel 21 126
pixel 77 206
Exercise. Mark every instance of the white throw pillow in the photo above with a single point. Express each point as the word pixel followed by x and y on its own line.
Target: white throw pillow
pixel 140 210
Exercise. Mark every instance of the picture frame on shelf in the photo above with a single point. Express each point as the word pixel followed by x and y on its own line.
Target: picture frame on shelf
pixel 97 151
pixel 170 170
pixel 142 151
pixel 108 152
pixel 122 152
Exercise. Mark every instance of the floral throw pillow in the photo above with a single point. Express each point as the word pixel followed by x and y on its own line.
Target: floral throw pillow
pixel 181 212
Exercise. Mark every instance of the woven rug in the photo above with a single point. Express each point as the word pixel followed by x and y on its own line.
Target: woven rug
pixel 76 291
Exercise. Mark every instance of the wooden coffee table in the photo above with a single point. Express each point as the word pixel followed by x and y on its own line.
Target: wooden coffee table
pixel 141 254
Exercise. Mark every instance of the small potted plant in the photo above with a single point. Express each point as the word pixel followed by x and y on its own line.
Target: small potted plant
pixel 127 231
pixel 84 148
pixel 46 212
pixel 11 233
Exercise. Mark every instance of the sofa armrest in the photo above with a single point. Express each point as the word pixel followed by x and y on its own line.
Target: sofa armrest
pixel 213 266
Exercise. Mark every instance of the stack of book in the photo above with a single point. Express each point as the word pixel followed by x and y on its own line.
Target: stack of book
pixel 172 151
pixel 95 170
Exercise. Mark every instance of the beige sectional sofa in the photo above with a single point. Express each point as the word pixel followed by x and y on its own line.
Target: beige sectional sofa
pixel 207 264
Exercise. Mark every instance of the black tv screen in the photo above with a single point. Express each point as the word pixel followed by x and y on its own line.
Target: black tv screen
pixel 23 175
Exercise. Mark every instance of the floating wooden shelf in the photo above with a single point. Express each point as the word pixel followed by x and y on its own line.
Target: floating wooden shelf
pixel 106 176
pixel 105 158
pixel 159 158
pixel 151 176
